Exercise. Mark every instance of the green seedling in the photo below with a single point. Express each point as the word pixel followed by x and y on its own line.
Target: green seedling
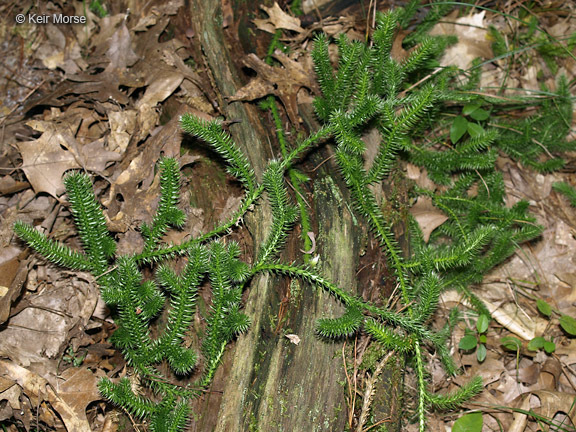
pixel 463 123
pixel 73 358
pixel 476 340
pixel 98 8
pixel 539 343
pixel 566 322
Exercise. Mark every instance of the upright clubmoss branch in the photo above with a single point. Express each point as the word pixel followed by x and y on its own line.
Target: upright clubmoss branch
pixel 136 302
pixel 296 177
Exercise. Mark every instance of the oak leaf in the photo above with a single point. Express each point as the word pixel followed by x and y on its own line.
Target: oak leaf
pixel 283 82
pixel 428 217
pixel 46 159
pixel 277 19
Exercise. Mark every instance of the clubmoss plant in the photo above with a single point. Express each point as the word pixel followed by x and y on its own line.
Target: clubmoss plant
pixel 369 89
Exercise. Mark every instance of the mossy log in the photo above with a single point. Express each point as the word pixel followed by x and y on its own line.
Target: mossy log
pixel 266 382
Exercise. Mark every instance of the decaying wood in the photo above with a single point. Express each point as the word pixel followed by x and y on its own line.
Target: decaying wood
pixel 267 382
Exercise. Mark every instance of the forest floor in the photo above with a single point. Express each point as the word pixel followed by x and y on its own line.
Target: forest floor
pixel 105 96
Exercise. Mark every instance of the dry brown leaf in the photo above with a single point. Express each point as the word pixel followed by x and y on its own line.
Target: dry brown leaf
pixel 520 419
pixel 164 84
pixel 136 183
pixel 550 261
pixel 334 27
pixel 58 51
pixel 85 33
pixel 130 242
pixel 9 186
pixel 255 89
pixel 39 389
pixel 428 217
pixel 46 159
pixel 156 12
pixel 107 26
pixel 294 338
pixel 283 82
pixel 509 315
pixel 508 387
pixel 277 19
pixel 13 273
pixel 78 390
pixel 171 58
pixel 100 87
pixel 38 330
pixel 513 318
pixel 551 403
pixel 95 157
pixel 550 373
pixel 398 52
pixel 112 48
pixel 120 51
pixel 122 127
pixel 10 395
pixel 10 392
pixel 472 42
pixel 420 176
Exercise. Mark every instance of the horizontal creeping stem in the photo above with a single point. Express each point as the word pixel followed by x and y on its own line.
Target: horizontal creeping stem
pixel 406 323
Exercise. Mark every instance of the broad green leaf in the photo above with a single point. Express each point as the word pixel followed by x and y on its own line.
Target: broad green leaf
pixel 480 114
pixel 482 323
pixel 458 129
pixel 468 342
pixel 543 307
pixel 482 338
pixel 549 347
pixel 511 343
pixel 568 324
pixel 536 343
pixel 470 108
pixel 481 353
pixel 475 129
pixel 472 422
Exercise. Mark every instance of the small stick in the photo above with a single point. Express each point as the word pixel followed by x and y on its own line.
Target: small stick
pixel 369 392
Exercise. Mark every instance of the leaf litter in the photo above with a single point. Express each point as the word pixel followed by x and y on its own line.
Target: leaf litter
pixel 104 117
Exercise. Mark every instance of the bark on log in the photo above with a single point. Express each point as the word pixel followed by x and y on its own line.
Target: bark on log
pixel 268 383
pixel 265 382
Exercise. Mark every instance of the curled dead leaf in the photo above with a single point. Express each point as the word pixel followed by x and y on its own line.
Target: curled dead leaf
pixel 428 217
pixel 295 339
pixel 551 405
pixel 13 273
pixel 312 238
pixel 71 408
pixel 277 19
pixel 284 82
